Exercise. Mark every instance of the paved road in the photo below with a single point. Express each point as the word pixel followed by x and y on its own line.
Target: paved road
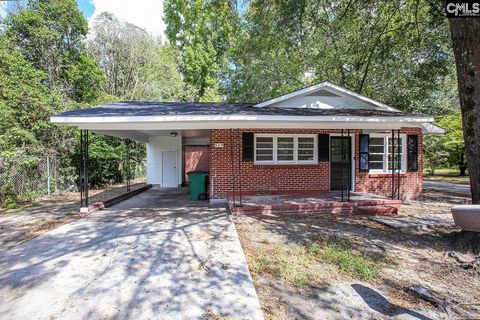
pixel 154 256
pixel 447 187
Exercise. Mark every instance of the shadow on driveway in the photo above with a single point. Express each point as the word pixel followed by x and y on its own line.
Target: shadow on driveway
pixel 156 255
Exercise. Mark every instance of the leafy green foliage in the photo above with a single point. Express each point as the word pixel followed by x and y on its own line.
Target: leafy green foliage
pixel 137 65
pixel 395 52
pixel 50 34
pixel 26 104
pixel 45 68
pixel 434 153
pixel 446 149
pixel 202 31
pixel 453 141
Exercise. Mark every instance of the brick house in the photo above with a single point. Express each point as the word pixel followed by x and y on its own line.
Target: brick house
pixel 318 139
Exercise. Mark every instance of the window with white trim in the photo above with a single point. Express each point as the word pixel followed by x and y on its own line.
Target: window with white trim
pixel 285 149
pixel 381 153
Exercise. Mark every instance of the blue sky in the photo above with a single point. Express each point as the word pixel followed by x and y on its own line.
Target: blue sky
pixel 87 8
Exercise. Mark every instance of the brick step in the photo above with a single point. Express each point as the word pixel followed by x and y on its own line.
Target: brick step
pixel 383 207
pixel 375 210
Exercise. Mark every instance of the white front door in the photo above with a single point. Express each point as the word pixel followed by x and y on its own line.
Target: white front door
pixel 169 169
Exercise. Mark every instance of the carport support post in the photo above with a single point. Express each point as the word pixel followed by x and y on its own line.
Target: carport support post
pixel 84 184
pixel 127 163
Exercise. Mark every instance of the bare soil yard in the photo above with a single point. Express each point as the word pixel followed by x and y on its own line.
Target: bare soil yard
pixel 327 266
pixel 44 214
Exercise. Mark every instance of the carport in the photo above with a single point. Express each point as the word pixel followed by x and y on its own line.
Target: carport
pixel 174 144
pixel 170 154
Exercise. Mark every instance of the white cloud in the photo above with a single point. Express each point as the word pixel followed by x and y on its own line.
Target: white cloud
pixel 147 14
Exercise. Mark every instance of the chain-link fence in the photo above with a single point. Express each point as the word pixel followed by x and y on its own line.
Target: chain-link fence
pixel 54 175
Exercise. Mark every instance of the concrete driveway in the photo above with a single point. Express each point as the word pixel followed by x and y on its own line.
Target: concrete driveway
pixel 155 256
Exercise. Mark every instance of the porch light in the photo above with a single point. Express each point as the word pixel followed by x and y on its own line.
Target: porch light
pixel 173 134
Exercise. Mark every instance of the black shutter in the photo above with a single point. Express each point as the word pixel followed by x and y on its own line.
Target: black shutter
pixel 247 146
pixel 364 156
pixel 412 150
pixel 323 147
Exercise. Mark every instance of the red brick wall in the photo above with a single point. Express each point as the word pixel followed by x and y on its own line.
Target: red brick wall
pixel 196 158
pixel 253 178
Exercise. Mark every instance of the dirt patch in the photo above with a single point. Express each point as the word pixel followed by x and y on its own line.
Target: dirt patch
pixel 320 283
pixel 434 202
pixel 45 214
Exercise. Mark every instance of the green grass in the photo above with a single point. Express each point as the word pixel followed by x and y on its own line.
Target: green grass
pixel 355 264
pixel 447 175
pixel 292 264
pixel 296 264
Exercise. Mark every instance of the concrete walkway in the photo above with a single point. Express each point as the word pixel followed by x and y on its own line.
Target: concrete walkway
pixel 154 256
pixel 447 187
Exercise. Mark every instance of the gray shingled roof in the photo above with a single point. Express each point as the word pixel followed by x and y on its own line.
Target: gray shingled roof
pixel 137 108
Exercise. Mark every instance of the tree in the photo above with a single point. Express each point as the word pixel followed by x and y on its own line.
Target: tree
pixel 137 66
pixel 453 142
pixel 50 34
pixel 26 104
pixel 395 52
pixel 466 48
pixel 434 153
pixel 202 31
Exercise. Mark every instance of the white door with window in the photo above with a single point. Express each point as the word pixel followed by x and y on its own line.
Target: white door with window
pixel 169 169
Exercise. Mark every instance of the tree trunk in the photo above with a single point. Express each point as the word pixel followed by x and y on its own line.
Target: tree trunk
pixel 462 166
pixel 466 47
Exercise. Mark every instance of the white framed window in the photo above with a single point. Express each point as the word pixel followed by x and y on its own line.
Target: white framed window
pixel 381 153
pixel 285 149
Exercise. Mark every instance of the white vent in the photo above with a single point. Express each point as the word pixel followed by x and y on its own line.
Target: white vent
pixel 322 93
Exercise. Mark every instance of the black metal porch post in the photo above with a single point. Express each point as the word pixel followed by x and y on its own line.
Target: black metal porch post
pixel 127 162
pixel 349 165
pixel 342 165
pixel 392 161
pixel 399 163
pixel 84 183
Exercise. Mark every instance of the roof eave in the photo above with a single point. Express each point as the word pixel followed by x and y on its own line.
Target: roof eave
pixel 195 118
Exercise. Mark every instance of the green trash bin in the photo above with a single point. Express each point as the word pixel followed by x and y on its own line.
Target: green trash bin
pixel 198 184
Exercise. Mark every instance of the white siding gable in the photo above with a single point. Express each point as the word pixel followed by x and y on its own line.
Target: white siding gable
pixel 325 95
pixel 323 102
